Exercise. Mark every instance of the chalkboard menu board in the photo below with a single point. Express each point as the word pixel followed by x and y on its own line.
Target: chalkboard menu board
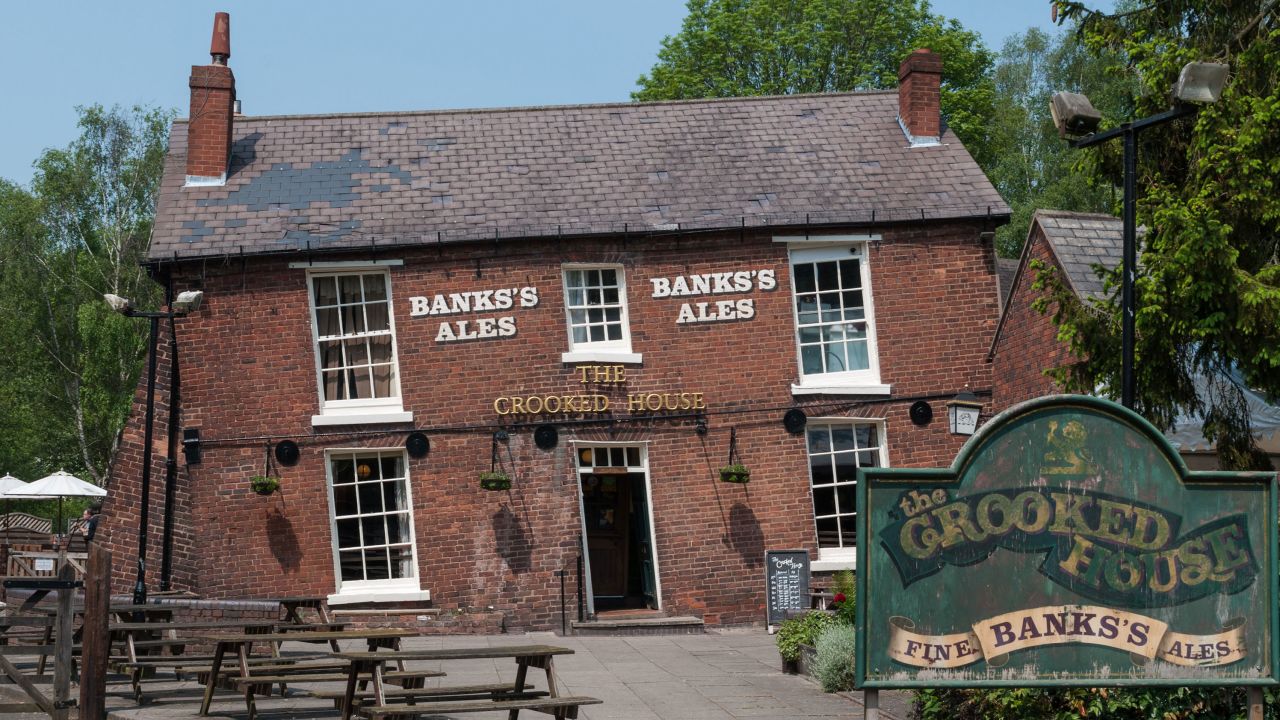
pixel 786 577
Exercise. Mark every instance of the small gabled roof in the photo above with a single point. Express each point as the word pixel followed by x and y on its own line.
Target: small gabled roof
pixel 1081 242
pixel 351 181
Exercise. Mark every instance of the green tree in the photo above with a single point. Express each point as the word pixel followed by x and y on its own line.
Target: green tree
pixel 1029 163
pixel 80 231
pixel 1208 291
pixel 732 48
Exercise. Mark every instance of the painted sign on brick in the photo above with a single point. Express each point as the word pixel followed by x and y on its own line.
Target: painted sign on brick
pixel 1067 545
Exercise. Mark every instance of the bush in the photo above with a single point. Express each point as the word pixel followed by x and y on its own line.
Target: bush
pixel 833 661
pixel 803 630
pixel 1075 703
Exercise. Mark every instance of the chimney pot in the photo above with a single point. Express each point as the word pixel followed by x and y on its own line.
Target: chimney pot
pixel 220 45
pixel 919 93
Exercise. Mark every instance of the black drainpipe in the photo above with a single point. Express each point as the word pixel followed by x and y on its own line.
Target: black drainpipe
pixel 170 462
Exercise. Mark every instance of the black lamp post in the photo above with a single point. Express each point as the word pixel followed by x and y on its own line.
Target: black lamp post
pixel 1075 115
pixel 187 302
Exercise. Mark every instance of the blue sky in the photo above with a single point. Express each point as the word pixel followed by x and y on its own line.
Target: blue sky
pixel 320 56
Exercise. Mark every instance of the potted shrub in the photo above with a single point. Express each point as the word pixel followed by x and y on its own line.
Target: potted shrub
pixel 495 480
pixel 796 637
pixel 736 473
pixel 264 484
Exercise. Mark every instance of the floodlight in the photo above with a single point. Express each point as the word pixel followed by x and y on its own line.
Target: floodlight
pixel 1073 114
pixel 117 303
pixel 188 301
pixel 1201 82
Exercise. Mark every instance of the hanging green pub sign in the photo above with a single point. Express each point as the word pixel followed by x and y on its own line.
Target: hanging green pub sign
pixel 1068 544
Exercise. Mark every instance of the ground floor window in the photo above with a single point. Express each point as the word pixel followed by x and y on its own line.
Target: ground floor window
pixel 837 448
pixel 372 520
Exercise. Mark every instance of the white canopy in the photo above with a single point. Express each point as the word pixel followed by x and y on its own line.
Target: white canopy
pixel 10 483
pixel 59 484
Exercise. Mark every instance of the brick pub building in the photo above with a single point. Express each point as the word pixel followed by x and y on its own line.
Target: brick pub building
pixel 607 303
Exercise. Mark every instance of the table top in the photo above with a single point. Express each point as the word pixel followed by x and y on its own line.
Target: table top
pixel 376 634
pixel 479 653
pixel 199 625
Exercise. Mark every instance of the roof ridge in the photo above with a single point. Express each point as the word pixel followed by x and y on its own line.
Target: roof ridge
pixel 542 108
pixel 1073 213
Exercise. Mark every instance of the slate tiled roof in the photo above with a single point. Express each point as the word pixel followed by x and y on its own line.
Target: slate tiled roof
pixel 1080 241
pixel 1006 271
pixel 335 181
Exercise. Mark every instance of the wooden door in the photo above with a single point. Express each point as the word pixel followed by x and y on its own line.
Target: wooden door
pixel 607 512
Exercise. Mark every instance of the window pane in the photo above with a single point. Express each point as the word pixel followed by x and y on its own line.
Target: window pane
pixel 821 470
pixel 575 278
pixel 397 528
pixel 633 457
pixel 351 565
pixel 376 314
pixel 349 286
pixel 848 530
pixel 401 562
pixel 827 278
pixel 849 276
pixel 611 296
pixel 858 359
pixel 593 296
pixel 392 467
pixel 811 359
pixel 804 278
pixel 824 501
pixel 842 437
pixel 866 435
pixel 868 459
pixel 597 333
pixel 326 291
pixel 576 298
pixel 609 277
pixel 819 439
pixel 375 287
pixel 334 386
pixel 835 358
pixel 360 383
pixel 352 319
pixel 375 532
pixel 349 533
pixel 343 471
pixel 370 498
pixel 846 468
pixel 579 335
pixel 357 351
pixel 344 500
pixel 828 532
pixel 376 565
pixel 327 322
pixel 615 332
pixel 846 497
pixel 380 347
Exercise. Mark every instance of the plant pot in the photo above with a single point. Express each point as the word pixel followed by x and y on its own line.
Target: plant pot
pixel 735 475
pixel 808 659
pixel 495 481
pixel 790 667
pixel 264 485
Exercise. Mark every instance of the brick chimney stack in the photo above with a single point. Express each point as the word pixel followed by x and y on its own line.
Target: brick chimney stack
pixel 919 90
pixel 213 95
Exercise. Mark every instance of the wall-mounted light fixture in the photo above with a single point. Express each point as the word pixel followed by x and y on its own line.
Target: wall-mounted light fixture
pixel 963 412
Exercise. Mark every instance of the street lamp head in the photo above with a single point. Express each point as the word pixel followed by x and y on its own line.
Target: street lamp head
pixel 1073 114
pixel 1201 82
pixel 117 303
pixel 188 301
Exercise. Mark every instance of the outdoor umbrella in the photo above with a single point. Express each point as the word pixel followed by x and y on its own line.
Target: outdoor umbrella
pixel 9 483
pixel 59 485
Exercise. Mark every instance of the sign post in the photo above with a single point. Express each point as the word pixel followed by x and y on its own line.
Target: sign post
pixel 1067 545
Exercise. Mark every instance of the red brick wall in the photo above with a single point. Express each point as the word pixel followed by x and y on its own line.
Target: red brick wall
pixel 248 372
pixel 1028 343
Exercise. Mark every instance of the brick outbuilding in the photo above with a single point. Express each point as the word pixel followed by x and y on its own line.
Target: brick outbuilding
pixel 605 303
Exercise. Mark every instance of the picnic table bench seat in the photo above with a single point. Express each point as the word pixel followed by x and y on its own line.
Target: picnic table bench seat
pixel 492 691
pixel 561 707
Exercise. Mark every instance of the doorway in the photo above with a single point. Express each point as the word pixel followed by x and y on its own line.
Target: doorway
pixel 616 528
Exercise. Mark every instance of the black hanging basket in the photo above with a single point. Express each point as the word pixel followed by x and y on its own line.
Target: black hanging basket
pixel 735 474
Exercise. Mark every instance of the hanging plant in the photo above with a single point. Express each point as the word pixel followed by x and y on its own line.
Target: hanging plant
pixel 495 480
pixel 736 473
pixel 264 484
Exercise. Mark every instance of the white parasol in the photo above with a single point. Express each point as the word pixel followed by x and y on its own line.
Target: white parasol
pixel 8 484
pixel 60 485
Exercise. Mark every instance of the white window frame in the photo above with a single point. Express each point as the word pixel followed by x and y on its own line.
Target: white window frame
pixel 831 559
pixel 363 410
pixel 830 248
pixel 389 590
pixel 618 351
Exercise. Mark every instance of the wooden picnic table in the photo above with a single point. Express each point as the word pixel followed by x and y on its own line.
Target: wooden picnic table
pixel 242 646
pixel 373 665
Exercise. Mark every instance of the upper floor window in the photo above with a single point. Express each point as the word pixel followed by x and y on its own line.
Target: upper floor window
pixel 355 344
pixel 596 308
pixel 835 322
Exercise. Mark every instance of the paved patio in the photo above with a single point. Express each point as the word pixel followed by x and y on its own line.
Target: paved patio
pixel 716 676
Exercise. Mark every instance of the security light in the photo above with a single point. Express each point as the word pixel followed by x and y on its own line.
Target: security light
pixel 117 303
pixel 188 301
pixel 1073 114
pixel 1201 82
